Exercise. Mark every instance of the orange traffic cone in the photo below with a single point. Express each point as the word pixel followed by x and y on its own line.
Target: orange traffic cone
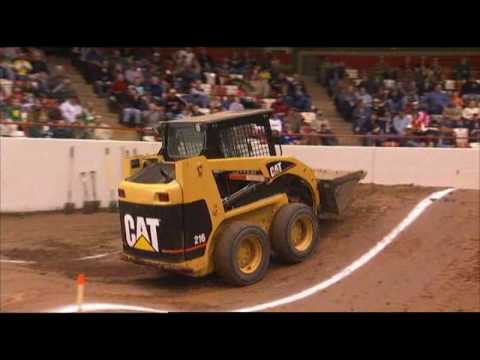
pixel 81 280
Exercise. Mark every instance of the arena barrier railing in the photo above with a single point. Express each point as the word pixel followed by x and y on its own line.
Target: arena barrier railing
pixel 140 131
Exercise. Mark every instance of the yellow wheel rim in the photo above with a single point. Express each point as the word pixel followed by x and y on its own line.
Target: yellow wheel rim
pixel 301 234
pixel 249 254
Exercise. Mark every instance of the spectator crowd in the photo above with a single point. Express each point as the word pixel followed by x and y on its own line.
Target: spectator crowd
pixel 411 105
pixel 389 106
pixel 34 92
pixel 146 86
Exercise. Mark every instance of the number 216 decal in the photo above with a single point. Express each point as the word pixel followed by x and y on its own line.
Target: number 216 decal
pixel 199 239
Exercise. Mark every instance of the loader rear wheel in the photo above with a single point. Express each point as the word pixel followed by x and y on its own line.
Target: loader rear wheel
pixel 294 232
pixel 242 254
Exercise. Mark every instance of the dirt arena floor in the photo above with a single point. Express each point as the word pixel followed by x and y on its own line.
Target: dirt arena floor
pixel 434 265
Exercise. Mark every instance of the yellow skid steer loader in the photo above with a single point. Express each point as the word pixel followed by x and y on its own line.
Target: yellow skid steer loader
pixel 217 198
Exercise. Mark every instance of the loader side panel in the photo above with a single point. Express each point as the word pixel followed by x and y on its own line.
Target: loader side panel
pixel 198 227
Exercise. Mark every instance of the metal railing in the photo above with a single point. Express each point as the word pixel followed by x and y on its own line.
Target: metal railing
pixel 141 130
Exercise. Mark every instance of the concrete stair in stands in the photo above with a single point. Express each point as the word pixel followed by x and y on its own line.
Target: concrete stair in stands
pixel 321 100
pixel 86 94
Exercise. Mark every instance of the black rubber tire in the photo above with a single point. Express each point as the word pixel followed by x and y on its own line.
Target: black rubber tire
pixel 225 254
pixel 281 230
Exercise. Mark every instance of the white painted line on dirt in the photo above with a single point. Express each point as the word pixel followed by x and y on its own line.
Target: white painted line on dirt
pixel 16 261
pixel 78 259
pixel 411 217
pixel 105 307
pixel 414 214
pixel 97 256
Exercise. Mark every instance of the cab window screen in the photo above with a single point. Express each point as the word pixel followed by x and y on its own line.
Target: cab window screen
pixel 244 140
pixel 185 141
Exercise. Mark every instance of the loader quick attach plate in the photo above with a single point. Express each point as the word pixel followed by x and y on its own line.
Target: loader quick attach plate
pixel 336 191
pixel 171 233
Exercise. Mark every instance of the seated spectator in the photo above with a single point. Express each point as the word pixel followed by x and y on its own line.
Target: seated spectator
pixel 13 110
pixel 195 111
pixel 279 84
pixel 39 65
pixel 370 84
pixel 197 95
pixel 401 122
pixel 22 66
pixel 261 87
pixel 421 120
pixel 289 138
pixel 71 110
pixel 453 111
pixel 280 106
pixel 215 105
pixel 276 125
pixel 102 133
pixel 474 129
pixel 132 111
pixel 395 102
pixel 139 86
pixel 156 87
pixel 40 119
pixel 205 60
pixel 471 110
pixel 133 73
pixel 328 138
pixel 345 103
pixel 300 101
pixel 437 100
pixel 103 80
pixel 386 123
pixel 236 105
pixel 87 118
pixel 372 127
pixel 61 132
pixel 295 84
pixel 438 70
pixel 52 109
pixel 463 70
pixel 378 107
pixel 173 104
pixel 294 120
pixel 457 99
pixel 306 130
pixel 470 87
pixel 461 134
pixel 365 97
pixel 60 88
pixel 361 115
pixel 118 92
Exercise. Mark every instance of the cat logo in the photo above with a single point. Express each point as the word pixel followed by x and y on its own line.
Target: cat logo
pixel 141 234
pixel 275 169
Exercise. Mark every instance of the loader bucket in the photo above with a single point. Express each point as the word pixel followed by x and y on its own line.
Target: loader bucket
pixel 336 190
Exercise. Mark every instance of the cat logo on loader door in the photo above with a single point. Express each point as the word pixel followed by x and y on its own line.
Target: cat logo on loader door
pixel 142 233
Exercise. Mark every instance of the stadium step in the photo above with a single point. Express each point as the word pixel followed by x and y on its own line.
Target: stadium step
pixel 322 101
pixel 87 95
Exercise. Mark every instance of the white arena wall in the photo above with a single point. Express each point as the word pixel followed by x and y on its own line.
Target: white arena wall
pixel 456 167
pixel 34 173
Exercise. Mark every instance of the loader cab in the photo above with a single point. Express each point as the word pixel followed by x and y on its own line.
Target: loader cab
pixel 221 135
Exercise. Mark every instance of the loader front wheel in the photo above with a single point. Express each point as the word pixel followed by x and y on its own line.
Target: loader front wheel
pixel 294 232
pixel 242 254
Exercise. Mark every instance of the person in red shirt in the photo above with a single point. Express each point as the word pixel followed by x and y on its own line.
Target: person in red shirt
pixel 119 85
pixel 280 106
pixel 457 99
pixel 118 91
